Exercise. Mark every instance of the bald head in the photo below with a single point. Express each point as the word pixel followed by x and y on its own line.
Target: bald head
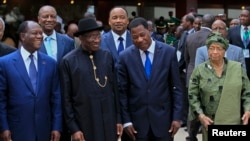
pixel 207 20
pixel 219 26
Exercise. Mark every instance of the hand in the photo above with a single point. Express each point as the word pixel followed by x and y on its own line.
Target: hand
pixel 130 131
pixel 119 129
pixel 5 135
pixel 55 136
pixel 78 136
pixel 205 121
pixel 245 117
pixel 174 127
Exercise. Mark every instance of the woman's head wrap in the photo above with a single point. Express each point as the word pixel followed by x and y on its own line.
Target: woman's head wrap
pixel 216 37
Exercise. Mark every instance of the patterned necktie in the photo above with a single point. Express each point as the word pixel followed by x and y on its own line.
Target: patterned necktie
pixel 32 72
pixel 147 65
pixel 246 36
pixel 120 46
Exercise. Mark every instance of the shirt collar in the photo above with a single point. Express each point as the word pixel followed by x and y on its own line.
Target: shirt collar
pixel 151 48
pixel 53 35
pixel 25 54
pixel 116 36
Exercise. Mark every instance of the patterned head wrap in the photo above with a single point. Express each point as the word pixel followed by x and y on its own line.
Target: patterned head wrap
pixel 216 37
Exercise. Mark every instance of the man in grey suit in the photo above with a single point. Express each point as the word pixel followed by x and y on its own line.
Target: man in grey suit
pixel 233 52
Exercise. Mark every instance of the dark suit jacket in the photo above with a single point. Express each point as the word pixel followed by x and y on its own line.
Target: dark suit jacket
pixel 64 45
pixel 29 115
pixel 193 42
pixel 181 48
pixel 157 37
pixel 5 49
pixel 108 43
pixel 151 103
pixel 234 37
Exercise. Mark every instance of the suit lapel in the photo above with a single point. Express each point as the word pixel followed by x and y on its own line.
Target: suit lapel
pixel 42 48
pixel 41 63
pixel 238 36
pixel 21 69
pixel 111 45
pixel 60 50
pixel 156 61
pixel 128 39
pixel 138 61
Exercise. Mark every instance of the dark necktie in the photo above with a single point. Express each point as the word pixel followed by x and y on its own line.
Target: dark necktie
pixel 32 72
pixel 120 46
pixel 246 36
pixel 147 65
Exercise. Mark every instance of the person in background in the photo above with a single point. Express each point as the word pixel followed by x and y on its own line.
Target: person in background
pixel 153 34
pixel 239 36
pixel 234 22
pixel 118 21
pixel 71 29
pixel 219 88
pixel 89 88
pixel 30 96
pixel 4 49
pixel 55 45
pixel 177 34
pixel 169 35
pixel 149 87
pixel 187 23
pixel 197 23
pixel 233 52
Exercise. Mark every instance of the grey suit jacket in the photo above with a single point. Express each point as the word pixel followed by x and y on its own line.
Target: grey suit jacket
pixel 193 42
pixel 233 52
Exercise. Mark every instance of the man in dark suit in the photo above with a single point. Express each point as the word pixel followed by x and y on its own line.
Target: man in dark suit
pixel 55 44
pixel 118 21
pixel 187 24
pixel 30 105
pixel 153 33
pixel 4 49
pixel 236 36
pixel 151 99
pixel 59 44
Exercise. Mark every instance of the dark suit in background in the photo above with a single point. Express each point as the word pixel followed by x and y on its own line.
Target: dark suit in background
pixel 5 49
pixel 108 43
pixel 234 37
